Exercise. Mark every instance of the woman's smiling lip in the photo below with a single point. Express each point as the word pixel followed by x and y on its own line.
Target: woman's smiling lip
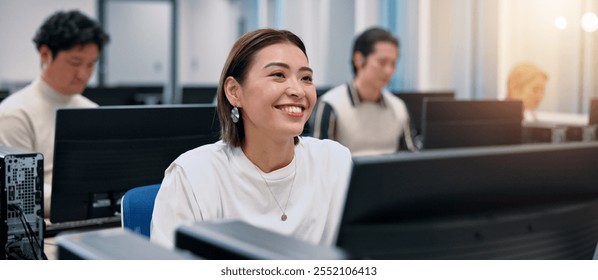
pixel 292 109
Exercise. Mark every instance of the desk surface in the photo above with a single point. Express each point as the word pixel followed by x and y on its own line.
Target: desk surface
pixel 50 248
pixel 562 118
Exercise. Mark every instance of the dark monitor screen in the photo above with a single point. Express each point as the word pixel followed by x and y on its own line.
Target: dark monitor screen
pixel 321 90
pixel 113 244
pixel 309 125
pixel 414 101
pixel 199 94
pixel 468 123
pixel 100 153
pixel 3 94
pixel 535 201
pixel 594 111
pixel 237 240
pixel 125 95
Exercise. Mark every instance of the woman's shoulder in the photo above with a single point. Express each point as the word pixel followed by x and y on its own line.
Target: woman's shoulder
pixel 202 154
pixel 326 158
pixel 324 146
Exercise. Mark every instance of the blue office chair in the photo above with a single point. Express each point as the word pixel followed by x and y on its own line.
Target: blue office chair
pixel 137 208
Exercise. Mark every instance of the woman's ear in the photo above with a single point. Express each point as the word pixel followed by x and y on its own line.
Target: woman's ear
pixel 358 60
pixel 232 90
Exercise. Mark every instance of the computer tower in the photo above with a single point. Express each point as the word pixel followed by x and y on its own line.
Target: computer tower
pixel 21 204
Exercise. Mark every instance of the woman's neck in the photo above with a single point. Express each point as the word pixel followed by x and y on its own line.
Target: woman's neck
pixel 269 155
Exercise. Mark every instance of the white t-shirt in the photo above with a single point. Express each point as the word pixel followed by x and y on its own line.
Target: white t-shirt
pixel 216 182
pixel 28 121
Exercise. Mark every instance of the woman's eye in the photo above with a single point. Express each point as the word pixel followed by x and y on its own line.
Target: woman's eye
pixel 278 74
pixel 308 78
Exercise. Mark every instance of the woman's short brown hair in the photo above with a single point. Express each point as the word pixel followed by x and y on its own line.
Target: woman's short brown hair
pixel 237 65
pixel 521 75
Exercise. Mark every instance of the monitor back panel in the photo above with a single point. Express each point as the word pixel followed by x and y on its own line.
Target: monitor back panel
pixel 199 94
pixel 594 111
pixel 426 204
pixel 3 94
pixel 100 153
pixel 414 101
pixel 469 123
pixel 123 95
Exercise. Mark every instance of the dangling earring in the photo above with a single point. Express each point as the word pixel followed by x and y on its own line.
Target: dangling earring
pixel 234 114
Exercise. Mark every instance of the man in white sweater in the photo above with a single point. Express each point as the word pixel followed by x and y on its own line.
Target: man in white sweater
pixel 69 44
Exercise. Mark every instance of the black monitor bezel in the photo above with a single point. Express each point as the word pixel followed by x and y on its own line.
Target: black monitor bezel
pixel 437 197
pixel 89 143
pixel 469 123
pixel 414 101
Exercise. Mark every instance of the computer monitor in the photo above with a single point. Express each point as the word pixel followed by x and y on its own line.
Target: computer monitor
pixel 309 125
pixel 125 95
pixel 322 89
pixel 238 240
pixel 113 244
pixel 100 153
pixel 199 94
pixel 593 111
pixel 469 123
pixel 414 101
pixel 3 94
pixel 534 201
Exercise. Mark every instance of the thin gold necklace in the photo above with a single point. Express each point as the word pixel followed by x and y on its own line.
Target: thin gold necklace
pixel 284 216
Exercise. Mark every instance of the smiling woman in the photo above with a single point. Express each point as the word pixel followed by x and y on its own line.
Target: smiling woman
pixel 266 113
pixel 261 172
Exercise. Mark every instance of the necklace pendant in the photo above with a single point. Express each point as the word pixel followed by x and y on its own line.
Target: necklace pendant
pixel 283 217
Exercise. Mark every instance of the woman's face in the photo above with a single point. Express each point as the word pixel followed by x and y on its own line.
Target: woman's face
pixel 532 93
pixel 278 95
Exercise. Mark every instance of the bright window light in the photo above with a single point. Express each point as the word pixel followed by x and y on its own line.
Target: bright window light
pixel 589 22
pixel 560 22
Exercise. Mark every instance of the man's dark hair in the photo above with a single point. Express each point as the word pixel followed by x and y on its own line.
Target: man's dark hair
pixel 64 30
pixel 365 42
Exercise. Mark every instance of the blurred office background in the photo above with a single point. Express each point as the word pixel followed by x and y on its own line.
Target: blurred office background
pixel 467 46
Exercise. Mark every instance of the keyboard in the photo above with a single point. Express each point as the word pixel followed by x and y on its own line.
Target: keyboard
pixel 52 229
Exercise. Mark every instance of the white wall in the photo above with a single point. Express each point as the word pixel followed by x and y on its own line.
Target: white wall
pixel 336 44
pixel 529 35
pixel 326 28
pixel 412 30
pixel 145 57
pixel 208 30
pixel 470 46
pixel 465 45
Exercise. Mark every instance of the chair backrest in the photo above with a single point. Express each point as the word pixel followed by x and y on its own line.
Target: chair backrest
pixel 137 208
